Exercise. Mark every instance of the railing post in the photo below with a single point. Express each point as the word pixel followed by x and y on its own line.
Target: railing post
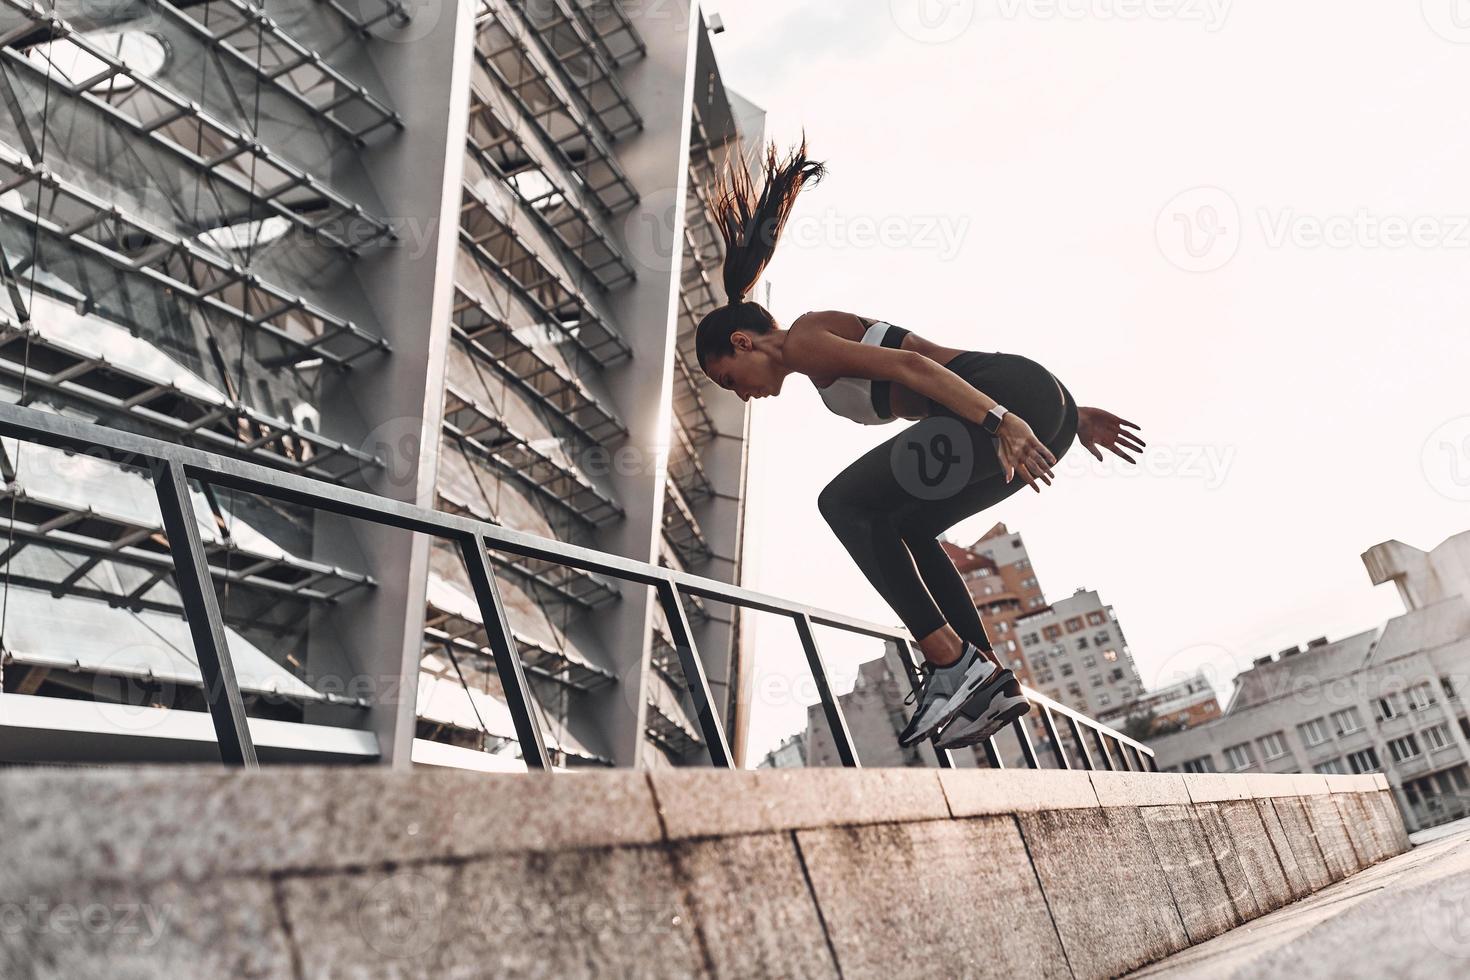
pixel 1101 741
pixel 911 662
pixel 694 679
pixel 201 610
pixel 992 757
pixel 1057 748
pixel 1153 763
pixel 836 722
pixel 1023 735
pixel 1137 757
pixel 1082 751
pixel 502 646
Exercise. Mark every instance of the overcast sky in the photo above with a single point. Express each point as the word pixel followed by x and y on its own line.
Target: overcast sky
pixel 1244 226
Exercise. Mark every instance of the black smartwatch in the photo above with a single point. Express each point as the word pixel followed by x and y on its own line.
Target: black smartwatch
pixel 991 422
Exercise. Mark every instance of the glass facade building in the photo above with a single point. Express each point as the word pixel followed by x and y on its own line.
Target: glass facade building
pixel 449 253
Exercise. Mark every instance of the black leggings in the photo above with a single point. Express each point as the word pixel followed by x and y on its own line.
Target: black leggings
pixel 890 506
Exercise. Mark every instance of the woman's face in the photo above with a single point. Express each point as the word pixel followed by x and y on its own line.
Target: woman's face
pixel 749 372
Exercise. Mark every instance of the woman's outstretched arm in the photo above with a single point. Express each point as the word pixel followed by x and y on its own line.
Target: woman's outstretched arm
pixel 814 349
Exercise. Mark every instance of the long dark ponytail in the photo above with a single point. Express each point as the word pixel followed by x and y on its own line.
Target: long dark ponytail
pixel 750 224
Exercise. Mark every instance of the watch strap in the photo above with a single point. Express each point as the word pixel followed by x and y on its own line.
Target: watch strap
pixel 993 418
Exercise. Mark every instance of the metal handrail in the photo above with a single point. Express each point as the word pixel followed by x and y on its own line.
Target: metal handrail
pixel 172 466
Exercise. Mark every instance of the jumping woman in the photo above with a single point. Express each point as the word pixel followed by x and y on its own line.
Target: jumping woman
pixel 981 419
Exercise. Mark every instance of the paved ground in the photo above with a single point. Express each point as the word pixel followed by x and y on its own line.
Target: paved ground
pixel 1443 830
pixel 1407 918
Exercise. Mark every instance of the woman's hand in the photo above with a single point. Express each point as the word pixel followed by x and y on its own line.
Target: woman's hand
pixel 1021 452
pixel 1098 428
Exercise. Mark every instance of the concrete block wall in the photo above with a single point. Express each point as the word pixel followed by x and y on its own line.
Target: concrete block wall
pixel 311 872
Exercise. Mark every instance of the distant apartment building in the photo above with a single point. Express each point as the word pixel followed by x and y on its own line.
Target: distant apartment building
pixel 1182 705
pixel 1079 655
pixel 1002 582
pixel 790 754
pixel 1389 699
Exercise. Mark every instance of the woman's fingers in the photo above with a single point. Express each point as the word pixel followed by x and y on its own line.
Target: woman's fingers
pixel 1044 456
pixel 1025 470
pixel 1037 470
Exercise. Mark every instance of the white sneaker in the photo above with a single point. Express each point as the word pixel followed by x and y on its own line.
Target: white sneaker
pixel 944 691
pixel 987 712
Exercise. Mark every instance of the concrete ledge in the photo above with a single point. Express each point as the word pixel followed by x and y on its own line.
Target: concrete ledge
pixel 1269 785
pixel 983 792
pixel 747 938
pixel 1311 784
pixel 1301 836
pixel 1139 788
pixel 330 871
pixel 1360 819
pixel 1367 783
pixel 1111 904
pixel 1258 856
pixel 126 823
pixel 1216 787
pixel 1338 852
pixel 899 898
pixel 1192 871
pixel 1391 821
pixel 710 802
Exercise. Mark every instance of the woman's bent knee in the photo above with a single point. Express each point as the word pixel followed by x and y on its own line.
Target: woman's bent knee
pixel 834 505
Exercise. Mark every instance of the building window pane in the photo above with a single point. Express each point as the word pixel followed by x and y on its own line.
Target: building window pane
pixel 1273 746
pixel 1347 721
pixel 1437 737
pixel 1364 761
pixel 1239 757
pixel 1314 732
